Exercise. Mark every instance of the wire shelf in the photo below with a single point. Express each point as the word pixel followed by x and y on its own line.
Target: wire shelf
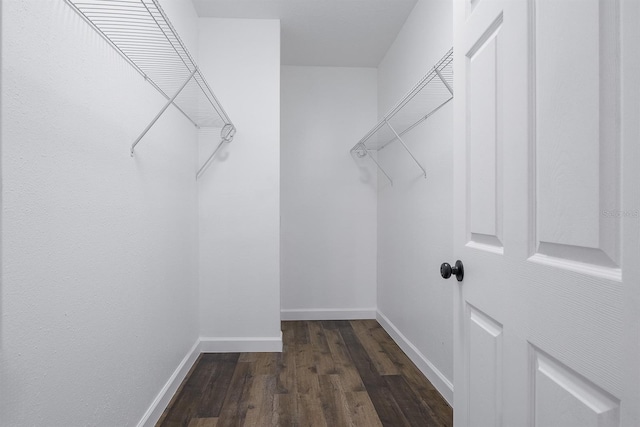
pixel 141 32
pixel 431 93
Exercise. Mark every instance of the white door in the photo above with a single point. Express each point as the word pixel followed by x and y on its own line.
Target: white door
pixel 546 164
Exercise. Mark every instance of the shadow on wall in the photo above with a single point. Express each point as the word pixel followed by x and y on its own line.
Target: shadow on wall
pixel 366 176
pixel 212 150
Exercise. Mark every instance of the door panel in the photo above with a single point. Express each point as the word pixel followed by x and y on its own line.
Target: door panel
pixel 484 143
pixel 549 308
pixel 577 138
pixel 485 367
pixel 563 398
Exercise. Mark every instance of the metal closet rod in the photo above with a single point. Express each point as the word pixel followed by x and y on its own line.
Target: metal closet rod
pixel 442 67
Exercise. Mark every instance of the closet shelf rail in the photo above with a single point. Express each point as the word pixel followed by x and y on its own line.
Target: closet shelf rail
pixel 141 32
pixel 431 93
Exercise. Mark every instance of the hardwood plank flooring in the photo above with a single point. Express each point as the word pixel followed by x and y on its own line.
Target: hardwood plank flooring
pixel 330 374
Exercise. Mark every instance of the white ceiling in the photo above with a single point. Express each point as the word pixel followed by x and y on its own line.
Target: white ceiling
pixel 339 33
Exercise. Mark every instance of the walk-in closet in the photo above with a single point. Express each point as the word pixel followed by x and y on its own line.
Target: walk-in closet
pixel 322 213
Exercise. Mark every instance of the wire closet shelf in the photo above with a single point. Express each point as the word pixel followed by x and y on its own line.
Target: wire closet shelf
pixel 431 93
pixel 141 32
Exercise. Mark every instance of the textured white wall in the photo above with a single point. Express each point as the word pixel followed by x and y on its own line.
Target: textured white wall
pixel 415 215
pixel 239 195
pixel 328 197
pixel 99 250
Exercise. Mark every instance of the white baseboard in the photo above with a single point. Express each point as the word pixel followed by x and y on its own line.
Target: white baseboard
pixel 327 314
pixel 437 378
pixel 241 344
pixel 204 345
pixel 159 404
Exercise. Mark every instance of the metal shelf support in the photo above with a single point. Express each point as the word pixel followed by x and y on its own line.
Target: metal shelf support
pixel 424 172
pixel 422 119
pixel 444 81
pixel 155 119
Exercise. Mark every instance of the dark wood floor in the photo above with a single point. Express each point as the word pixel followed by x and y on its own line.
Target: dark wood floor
pixel 331 373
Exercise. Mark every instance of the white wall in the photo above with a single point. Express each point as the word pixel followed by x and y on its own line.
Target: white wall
pixel 99 286
pixel 415 215
pixel 328 204
pixel 239 195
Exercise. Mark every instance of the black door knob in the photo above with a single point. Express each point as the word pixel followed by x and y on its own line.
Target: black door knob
pixel 457 270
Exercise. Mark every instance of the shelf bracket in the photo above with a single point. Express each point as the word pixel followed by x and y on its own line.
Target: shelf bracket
pixel 420 120
pixel 406 148
pixel 449 88
pixel 226 135
pixel 363 149
pixel 169 102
